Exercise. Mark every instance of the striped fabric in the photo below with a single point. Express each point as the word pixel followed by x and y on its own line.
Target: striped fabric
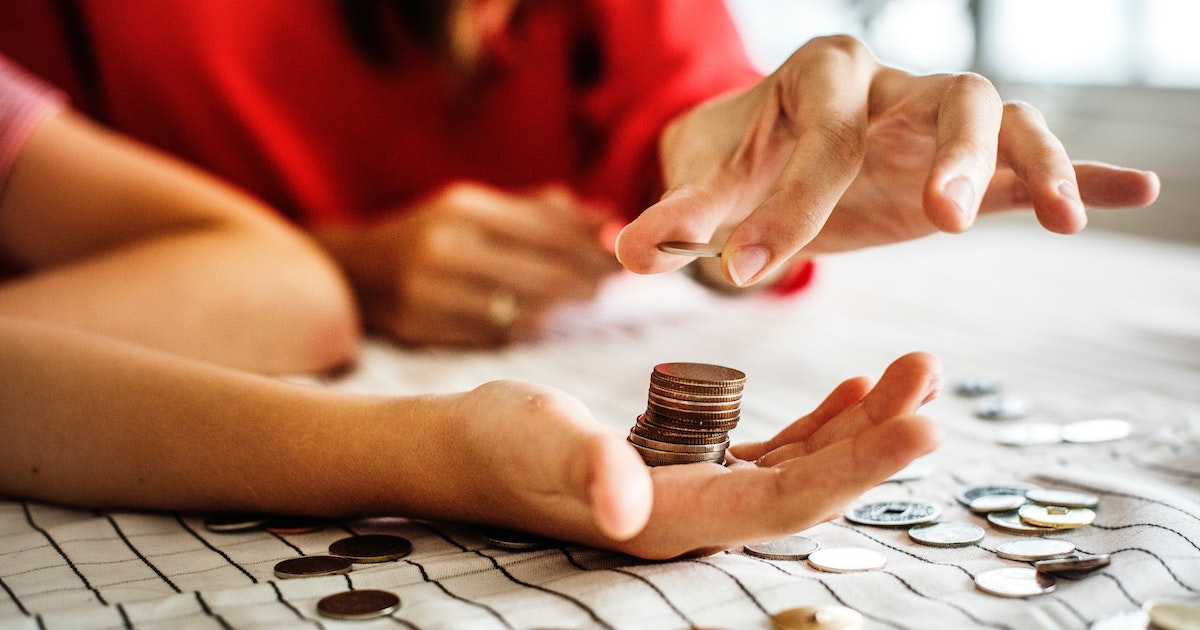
pixel 1096 325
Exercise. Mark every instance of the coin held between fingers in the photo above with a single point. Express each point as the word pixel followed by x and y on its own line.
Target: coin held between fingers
pixel 502 308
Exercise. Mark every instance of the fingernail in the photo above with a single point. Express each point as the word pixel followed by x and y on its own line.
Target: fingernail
pixel 746 262
pixel 962 193
pixel 1071 194
pixel 616 243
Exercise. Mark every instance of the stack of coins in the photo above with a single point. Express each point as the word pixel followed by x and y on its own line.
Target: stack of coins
pixel 690 411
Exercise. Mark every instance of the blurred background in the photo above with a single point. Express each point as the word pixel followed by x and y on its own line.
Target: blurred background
pixel 1118 80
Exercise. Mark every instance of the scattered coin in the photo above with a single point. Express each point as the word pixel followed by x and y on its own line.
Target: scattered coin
pixel 1121 620
pixel 818 618
pixel 968 493
pixel 1076 563
pixel 513 539
pixel 846 559
pixel 1056 516
pixel 291 525
pixel 1063 498
pixel 989 503
pixel 976 386
pixel 312 566
pixel 1014 582
pixel 1032 549
pixel 358 605
pixel 371 548
pixel 1173 615
pixel 1030 434
pixel 897 513
pixel 950 534
pixel 1011 522
pixel 1002 408
pixel 697 250
pixel 227 523
pixel 1098 430
pixel 786 548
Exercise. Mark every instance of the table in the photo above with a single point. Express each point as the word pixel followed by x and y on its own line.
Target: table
pixel 1093 325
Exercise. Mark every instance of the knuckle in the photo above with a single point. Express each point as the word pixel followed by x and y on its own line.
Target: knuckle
pixel 1024 111
pixel 839 44
pixel 975 84
pixel 845 139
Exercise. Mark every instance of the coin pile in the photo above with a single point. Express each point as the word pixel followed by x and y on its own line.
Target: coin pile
pixel 690 410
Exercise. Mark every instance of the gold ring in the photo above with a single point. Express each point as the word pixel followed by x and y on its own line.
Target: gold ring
pixel 502 309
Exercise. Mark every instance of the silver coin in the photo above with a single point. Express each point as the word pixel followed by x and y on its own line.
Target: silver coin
pixel 818 618
pixel 989 503
pixel 312 566
pixel 786 548
pixel 1014 582
pixel 358 605
pixel 1032 549
pixel 1121 620
pixel 1076 563
pixel 1030 434
pixel 976 386
pixel 512 539
pixel 968 493
pixel 950 534
pixel 896 513
pixel 1173 615
pixel 371 548
pixel 1056 516
pixel 1064 498
pixel 846 559
pixel 228 523
pixel 697 250
pixel 1098 430
pixel 1011 522
pixel 1002 408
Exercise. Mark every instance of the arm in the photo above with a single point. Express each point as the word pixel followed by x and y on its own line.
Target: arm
pixel 118 239
pixel 93 421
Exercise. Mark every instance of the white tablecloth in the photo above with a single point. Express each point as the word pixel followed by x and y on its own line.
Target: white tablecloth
pixel 1094 325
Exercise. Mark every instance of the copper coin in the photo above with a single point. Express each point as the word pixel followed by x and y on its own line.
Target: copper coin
pixel 704 374
pixel 695 250
pixel 818 618
pixel 513 539
pixel 371 548
pixel 312 566
pixel 358 605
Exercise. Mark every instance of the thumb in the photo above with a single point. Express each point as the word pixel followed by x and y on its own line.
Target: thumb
pixel 691 214
pixel 618 487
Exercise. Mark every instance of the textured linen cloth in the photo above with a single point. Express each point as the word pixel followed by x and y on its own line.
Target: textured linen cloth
pixel 1091 326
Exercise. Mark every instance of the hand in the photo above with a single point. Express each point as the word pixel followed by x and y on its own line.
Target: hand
pixel 835 152
pixel 474 266
pixel 540 463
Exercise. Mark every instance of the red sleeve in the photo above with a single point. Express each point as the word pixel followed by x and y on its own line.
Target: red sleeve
pixel 661 58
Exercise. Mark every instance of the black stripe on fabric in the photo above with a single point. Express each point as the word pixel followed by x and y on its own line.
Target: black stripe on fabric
pixel 1124 495
pixel 45 534
pixel 285 541
pixel 966 613
pixel 214 549
pixel 138 552
pixel 883 543
pixel 1120 587
pixel 1161 562
pixel 397 620
pixel 124 616
pixel 296 611
pixel 442 587
pixel 749 595
pixel 209 613
pixel 40 622
pixel 13 596
pixel 644 580
pixel 829 589
pixel 1071 609
pixel 1113 528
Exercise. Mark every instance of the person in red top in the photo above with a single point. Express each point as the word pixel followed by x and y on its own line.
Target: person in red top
pixel 461 158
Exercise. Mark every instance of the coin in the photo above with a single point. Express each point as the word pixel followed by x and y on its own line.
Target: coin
pixel 976 386
pixel 698 250
pixel 846 559
pixel 371 548
pixel 968 493
pixel 312 566
pixel 1076 563
pixel 704 375
pixel 897 513
pixel 1035 549
pixel 358 605
pixel 690 410
pixel 786 548
pixel 1014 582
pixel 1098 430
pixel 513 539
pixel 1173 615
pixel 289 525
pixel 1030 434
pixel 818 618
pixel 1011 522
pixel 1002 408
pixel 996 503
pixel 227 523
pixel 949 534
pixel 635 438
pixel 1056 516
pixel 1064 498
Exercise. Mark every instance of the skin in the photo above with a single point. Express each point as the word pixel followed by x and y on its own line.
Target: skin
pixel 163 432
pixel 115 238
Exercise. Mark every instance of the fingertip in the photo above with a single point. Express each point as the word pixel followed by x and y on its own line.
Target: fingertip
pixel 951 204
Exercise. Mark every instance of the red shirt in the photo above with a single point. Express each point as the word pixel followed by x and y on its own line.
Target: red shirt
pixel 272 95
